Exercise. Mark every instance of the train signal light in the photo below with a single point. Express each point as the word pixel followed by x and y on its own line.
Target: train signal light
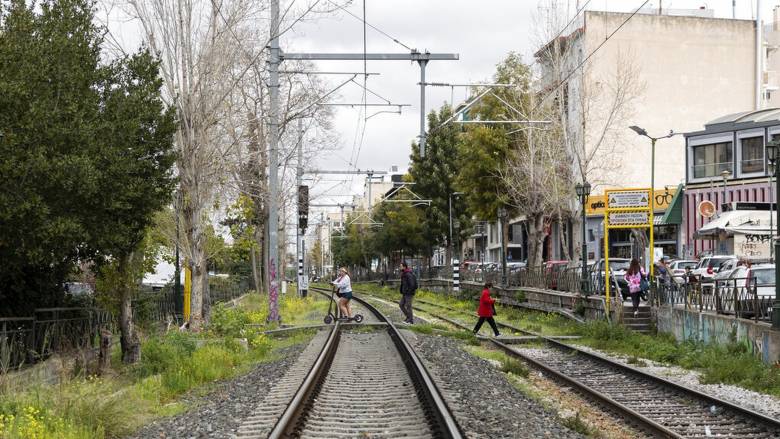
pixel 303 206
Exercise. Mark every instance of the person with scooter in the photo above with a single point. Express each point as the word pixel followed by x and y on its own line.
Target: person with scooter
pixel 344 285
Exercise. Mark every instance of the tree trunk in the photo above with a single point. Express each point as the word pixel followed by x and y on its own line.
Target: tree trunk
pixel 535 240
pixel 131 345
pixel 199 288
pixel 206 295
pixel 563 235
pixel 255 274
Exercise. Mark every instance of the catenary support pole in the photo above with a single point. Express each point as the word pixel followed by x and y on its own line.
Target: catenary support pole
pixel 273 168
pixel 298 231
pixel 422 63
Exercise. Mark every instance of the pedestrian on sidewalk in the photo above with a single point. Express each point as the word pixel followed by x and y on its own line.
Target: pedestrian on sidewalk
pixel 486 310
pixel 634 277
pixel 408 287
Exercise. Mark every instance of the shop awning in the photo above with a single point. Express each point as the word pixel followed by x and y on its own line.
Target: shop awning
pixel 745 222
pixel 673 214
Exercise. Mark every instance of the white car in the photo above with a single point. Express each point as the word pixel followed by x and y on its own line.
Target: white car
pixel 744 282
pixel 678 267
pixel 708 266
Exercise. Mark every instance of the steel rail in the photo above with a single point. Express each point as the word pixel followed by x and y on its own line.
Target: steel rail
pixel 443 423
pixel 648 423
pixel 288 422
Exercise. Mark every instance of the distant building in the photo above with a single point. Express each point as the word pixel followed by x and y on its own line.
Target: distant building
pixel 733 146
pixel 694 67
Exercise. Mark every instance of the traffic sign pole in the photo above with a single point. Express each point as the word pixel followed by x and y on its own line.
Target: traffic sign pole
pixel 626 209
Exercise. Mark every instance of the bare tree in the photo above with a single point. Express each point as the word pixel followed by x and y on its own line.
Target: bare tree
pixel 589 110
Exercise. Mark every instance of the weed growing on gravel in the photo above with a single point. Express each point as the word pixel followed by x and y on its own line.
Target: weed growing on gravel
pixel 510 365
pixel 575 423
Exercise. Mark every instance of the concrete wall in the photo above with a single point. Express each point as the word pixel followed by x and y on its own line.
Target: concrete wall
pixel 693 71
pixel 713 328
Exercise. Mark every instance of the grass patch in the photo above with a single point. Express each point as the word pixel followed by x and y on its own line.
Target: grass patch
pixel 509 365
pixel 171 364
pixel 575 423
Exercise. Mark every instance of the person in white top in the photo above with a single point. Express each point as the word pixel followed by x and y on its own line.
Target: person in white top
pixel 344 284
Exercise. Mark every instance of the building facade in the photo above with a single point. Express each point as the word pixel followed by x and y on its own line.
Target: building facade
pixel 726 163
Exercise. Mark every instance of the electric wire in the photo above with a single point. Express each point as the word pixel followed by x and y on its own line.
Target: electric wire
pixel 590 55
pixel 395 40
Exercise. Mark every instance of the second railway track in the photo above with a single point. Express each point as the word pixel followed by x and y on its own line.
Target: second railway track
pixel 366 382
pixel 655 405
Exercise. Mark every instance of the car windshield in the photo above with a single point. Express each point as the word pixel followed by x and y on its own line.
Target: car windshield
pixel 715 262
pixel 763 276
pixel 684 265
pixel 619 265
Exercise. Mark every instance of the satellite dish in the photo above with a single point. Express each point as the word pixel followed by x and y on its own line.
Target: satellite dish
pixel 706 209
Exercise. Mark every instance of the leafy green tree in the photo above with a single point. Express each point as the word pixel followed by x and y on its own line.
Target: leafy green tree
pixel 483 151
pixel 86 152
pixel 435 178
pixel 48 129
pixel 136 158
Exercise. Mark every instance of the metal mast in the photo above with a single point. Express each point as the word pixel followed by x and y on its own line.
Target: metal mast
pixel 273 171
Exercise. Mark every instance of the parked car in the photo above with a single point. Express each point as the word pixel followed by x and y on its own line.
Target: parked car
pixel 678 268
pixel 725 269
pixel 749 285
pixel 617 270
pixel 552 270
pixel 707 268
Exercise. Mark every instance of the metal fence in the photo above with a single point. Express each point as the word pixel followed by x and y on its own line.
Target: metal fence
pixel 739 297
pixel 26 340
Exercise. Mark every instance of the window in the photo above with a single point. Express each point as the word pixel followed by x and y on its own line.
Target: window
pixel 710 160
pixel 752 155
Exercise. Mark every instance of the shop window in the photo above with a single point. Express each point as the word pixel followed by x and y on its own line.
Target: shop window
pixel 752 155
pixel 710 160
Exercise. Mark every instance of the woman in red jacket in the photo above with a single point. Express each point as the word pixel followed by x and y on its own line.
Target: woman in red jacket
pixel 485 310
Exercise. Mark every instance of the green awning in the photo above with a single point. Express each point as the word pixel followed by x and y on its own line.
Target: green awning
pixel 673 214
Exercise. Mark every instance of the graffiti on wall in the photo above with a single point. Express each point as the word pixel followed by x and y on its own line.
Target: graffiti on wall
pixel 752 246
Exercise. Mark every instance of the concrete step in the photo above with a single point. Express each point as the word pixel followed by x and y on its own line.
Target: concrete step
pixel 637 320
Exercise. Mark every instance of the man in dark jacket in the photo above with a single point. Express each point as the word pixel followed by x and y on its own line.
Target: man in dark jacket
pixel 408 287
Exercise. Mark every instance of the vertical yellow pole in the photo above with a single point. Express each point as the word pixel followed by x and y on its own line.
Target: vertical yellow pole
pixel 187 290
pixel 652 232
pixel 606 257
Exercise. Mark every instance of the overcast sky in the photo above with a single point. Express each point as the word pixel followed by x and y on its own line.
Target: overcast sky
pixel 482 33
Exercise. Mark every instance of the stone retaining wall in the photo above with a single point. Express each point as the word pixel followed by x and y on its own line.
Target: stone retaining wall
pixel 566 304
pixel 709 327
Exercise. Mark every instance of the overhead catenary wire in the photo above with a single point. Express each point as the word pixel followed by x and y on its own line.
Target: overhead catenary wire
pixel 365 23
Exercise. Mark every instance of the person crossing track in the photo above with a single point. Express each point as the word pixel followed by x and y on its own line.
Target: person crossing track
pixel 486 310
pixel 344 284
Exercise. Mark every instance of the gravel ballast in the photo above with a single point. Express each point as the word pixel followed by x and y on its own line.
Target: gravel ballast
pixel 218 414
pixel 484 403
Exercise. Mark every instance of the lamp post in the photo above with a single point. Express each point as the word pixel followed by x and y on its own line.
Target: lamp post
pixel 725 174
pixel 502 214
pixel 771 168
pixel 772 154
pixel 643 132
pixel 583 190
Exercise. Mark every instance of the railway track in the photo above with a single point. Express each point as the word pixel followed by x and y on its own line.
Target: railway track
pixel 653 404
pixel 365 382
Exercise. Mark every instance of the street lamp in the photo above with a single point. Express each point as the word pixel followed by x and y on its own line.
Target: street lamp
pixel 725 174
pixel 771 168
pixel 772 154
pixel 583 190
pixel 643 132
pixel 502 214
